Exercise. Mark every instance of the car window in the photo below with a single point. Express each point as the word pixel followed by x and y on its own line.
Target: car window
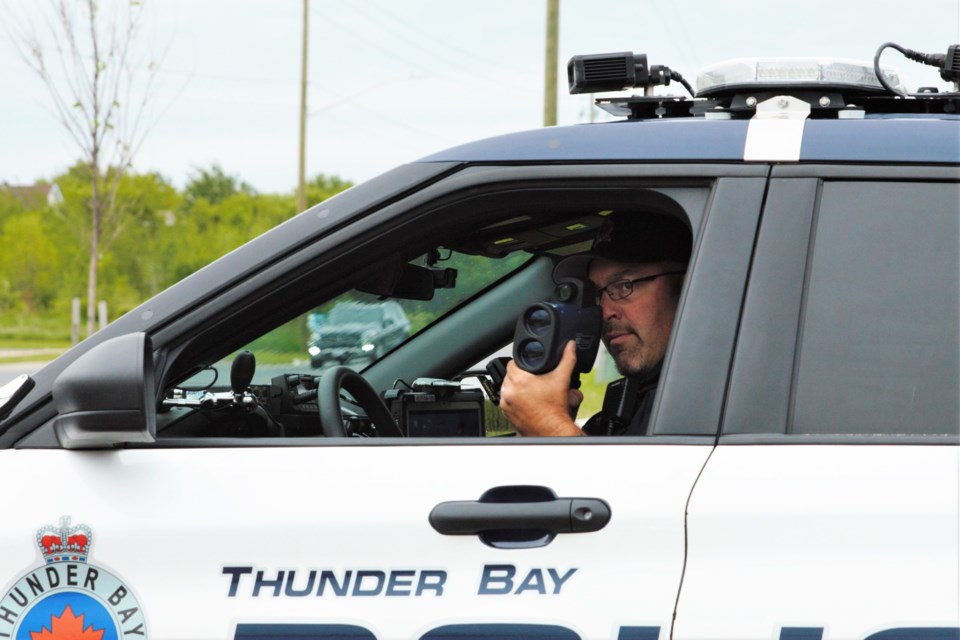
pixel 408 342
pixel 878 345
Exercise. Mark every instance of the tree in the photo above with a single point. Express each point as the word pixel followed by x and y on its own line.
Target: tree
pixel 9 204
pixel 139 262
pixel 100 91
pixel 213 184
pixel 29 263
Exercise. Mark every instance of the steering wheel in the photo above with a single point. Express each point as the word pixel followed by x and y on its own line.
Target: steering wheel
pixel 328 397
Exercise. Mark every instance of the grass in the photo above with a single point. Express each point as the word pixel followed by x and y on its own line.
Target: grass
pixel 47 336
pixel 34 344
pixel 33 331
pixel 33 358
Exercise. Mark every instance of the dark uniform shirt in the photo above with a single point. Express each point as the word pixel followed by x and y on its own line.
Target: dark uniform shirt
pixel 645 389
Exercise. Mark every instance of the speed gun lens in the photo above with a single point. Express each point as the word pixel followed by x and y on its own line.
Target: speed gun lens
pixel 532 354
pixel 538 322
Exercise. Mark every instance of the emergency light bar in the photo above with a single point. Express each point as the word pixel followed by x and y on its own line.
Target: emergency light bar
pixel 767 74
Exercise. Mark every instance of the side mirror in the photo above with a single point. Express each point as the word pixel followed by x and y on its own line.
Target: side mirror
pixel 107 396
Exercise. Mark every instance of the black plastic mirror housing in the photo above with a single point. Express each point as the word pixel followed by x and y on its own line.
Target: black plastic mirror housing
pixel 107 397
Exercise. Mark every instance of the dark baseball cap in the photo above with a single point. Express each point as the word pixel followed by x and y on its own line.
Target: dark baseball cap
pixel 633 237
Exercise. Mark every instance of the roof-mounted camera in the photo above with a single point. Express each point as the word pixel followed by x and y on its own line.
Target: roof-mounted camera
pixel 600 72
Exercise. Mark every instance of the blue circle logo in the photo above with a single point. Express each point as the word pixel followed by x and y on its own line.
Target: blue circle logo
pixel 68 615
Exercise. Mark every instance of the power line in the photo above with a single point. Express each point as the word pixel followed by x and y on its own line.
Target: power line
pixel 472 54
pixel 435 57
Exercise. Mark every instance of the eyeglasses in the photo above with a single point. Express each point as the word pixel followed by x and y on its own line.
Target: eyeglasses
pixel 622 289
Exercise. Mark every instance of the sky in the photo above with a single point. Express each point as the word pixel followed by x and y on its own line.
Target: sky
pixel 391 81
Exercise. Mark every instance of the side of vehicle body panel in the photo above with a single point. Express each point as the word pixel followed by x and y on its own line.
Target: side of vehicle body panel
pixel 181 518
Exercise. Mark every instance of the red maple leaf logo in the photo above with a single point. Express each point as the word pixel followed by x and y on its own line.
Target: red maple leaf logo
pixel 67 627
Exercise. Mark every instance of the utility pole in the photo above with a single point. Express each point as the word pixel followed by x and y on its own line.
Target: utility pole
pixel 550 75
pixel 302 182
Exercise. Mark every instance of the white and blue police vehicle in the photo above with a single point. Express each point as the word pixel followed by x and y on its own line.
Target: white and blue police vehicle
pixel 184 473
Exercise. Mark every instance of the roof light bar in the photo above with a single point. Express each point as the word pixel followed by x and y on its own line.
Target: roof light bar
pixel 767 74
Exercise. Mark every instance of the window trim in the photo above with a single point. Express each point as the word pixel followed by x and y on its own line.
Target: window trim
pixel 702 344
pixel 762 372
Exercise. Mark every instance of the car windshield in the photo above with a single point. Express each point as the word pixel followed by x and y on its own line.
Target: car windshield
pixel 356 313
pixel 355 329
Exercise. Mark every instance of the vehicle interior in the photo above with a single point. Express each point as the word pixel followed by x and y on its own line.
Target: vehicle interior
pixel 310 358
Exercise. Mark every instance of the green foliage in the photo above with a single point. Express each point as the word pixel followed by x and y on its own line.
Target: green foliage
pixel 25 330
pixel 9 205
pixel 205 231
pixel 137 258
pixel 323 187
pixel 29 264
pixel 494 422
pixel 474 273
pixel 161 237
pixel 282 345
pixel 135 253
pixel 594 385
pixel 213 185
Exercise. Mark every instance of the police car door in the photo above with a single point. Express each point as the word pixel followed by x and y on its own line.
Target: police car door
pixel 829 510
pixel 386 538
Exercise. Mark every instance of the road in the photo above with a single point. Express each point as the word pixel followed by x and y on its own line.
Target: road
pixel 10 371
pixel 26 361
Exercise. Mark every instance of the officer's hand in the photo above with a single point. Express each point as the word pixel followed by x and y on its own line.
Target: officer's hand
pixel 542 405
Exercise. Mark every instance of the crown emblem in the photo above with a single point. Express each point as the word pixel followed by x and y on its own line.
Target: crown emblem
pixel 65 543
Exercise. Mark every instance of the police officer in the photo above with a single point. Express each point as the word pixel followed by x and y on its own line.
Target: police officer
pixel 637 268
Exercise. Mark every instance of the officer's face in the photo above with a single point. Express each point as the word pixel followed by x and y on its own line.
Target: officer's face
pixel 636 329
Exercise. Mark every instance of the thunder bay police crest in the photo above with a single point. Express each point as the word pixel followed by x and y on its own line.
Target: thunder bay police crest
pixel 66 596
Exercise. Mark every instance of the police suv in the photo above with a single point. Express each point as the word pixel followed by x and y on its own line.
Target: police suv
pixel 186 472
